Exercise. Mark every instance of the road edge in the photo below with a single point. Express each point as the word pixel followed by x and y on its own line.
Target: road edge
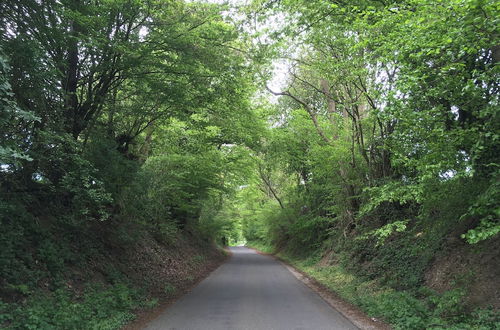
pixel 145 317
pixel 351 312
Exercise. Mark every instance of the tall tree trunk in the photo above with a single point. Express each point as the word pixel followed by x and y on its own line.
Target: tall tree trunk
pixel 71 83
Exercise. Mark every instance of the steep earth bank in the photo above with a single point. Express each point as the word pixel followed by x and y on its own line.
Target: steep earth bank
pixel 108 287
pixel 459 289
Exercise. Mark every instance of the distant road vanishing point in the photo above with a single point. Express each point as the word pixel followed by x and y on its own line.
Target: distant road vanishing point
pixel 251 292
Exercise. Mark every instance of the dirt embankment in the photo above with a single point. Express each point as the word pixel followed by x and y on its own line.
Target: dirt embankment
pixel 475 268
pixel 161 271
pixel 169 271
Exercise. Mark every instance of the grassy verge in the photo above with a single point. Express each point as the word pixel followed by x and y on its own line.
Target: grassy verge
pixel 420 309
pixel 97 308
pixel 111 290
pixel 260 246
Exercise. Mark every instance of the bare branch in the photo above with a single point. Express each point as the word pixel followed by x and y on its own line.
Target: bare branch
pixel 306 107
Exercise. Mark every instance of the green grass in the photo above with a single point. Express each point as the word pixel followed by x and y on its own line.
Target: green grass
pixel 260 246
pixel 401 309
pixel 99 308
pixel 198 260
pixel 169 289
pixel 424 309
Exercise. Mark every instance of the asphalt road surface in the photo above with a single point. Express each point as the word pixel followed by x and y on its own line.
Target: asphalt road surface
pixel 251 292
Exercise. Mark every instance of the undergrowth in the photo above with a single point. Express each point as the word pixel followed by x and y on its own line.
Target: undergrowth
pixel 402 309
pixel 260 246
pixel 97 308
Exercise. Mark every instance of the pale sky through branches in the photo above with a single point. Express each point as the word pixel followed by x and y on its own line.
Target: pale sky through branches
pixel 280 67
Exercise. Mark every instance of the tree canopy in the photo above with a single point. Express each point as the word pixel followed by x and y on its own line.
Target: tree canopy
pixel 125 117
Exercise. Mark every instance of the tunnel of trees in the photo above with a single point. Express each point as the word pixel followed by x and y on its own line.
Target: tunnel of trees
pixel 359 135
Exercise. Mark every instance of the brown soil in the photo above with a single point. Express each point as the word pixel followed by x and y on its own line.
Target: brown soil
pixel 145 316
pixel 475 267
pixel 164 271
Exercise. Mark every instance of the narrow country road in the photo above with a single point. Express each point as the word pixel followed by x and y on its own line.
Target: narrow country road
pixel 251 292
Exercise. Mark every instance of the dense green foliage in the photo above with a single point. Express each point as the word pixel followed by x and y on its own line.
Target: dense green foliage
pixel 100 309
pixel 402 309
pixel 383 149
pixel 118 119
pixel 121 119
